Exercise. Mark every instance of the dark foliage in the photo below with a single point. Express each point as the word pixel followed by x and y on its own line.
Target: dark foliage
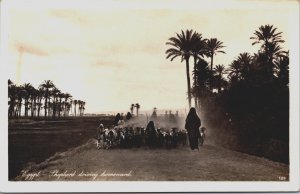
pixel 248 111
pixel 48 97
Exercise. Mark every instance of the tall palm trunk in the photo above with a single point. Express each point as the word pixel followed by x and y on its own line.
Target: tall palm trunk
pixel 211 72
pixel 33 104
pixel 195 82
pixel 31 108
pixel 12 107
pixel 54 107
pixel 26 107
pixel 65 108
pixel 219 83
pixel 211 62
pixel 46 104
pixel 19 107
pixel 188 80
pixel 39 108
pixel 59 107
pixel 10 111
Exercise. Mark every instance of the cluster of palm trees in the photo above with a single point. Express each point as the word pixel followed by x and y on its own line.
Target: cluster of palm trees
pixel 250 98
pixel 191 44
pixel 137 106
pixel 269 63
pixel 47 100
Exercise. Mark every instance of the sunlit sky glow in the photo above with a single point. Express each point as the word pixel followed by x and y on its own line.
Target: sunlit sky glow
pixel 112 53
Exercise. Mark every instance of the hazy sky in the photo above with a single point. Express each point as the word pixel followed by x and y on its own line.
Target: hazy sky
pixel 112 53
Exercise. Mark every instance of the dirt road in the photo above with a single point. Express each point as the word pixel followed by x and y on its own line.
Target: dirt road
pixel 211 163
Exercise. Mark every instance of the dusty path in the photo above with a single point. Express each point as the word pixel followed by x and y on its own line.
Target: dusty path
pixel 210 164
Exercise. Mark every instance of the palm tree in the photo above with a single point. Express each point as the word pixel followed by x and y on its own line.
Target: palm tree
pixel 199 46
pixel 265 35
pixel 71 104
pixel 79 102
pixel 33 98
pixel 12 95
pixel 60 96
pixel 75 102
pixel 213 47
pixel 282 67
pixel 47 85
pixel 137 106
pixel 198 51
pixel 234 70
pixel 182 46
pixel 67 96
pixel 54 104
pixel 275 51
pixel 245 61
pixel 20 94
pixel 39 100
pixel 269 40
pixel 28 88
pixel 55 93
pixel 201 76
pixel 219 71
pixel 68 108
pixel 242 68
pixel 81 107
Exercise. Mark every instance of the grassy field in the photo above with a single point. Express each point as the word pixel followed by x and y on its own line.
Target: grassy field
pixel 33 141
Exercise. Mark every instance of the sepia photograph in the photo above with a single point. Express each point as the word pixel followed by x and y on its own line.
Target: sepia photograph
pixel 188 96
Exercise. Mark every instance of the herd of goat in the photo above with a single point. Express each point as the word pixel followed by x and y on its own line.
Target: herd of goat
pixel 130 137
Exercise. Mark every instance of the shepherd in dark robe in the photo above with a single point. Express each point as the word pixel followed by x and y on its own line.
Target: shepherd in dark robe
pixel 192 124
pixel 151 135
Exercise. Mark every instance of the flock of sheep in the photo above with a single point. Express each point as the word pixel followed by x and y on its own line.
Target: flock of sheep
pixel 129 137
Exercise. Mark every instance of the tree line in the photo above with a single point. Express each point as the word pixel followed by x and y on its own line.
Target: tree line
pixel 46 100
pixel 247 102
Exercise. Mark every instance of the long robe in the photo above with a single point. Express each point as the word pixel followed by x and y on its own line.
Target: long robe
pixel 151 134
pixel 192 124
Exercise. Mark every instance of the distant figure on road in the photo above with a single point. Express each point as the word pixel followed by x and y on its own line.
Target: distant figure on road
pixel 128 116
pixel 117 118
pixel 172 118
pixel 192 124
